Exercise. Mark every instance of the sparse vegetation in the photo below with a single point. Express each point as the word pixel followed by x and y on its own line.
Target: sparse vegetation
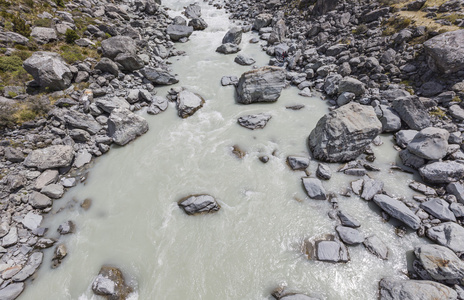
pixel 71 54
pixel 71 36
pixel 59 3
pixel 10 63
pixel 395 24
pixel 43 22
pixel 438 112
pixel 20 26
pixel 361 29
pixel 11 114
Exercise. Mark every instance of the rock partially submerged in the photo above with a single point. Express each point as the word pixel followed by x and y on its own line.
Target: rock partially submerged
pixel 110 283
pixel 252 122
pixel 125 126
pixel 314 188
pixel 439 263
pixel 12 291
pixel 399 289
pixel 442 172
pixel 199 204
pixel 397 210
pixel 344 133
pixel 448 234
pixel 188 103
pixel 261 85
pixel 177 32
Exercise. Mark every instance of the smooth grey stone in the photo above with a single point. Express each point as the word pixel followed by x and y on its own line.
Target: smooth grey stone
pixel 110 282
pixel 107 65
pixel 83 157
pixel 332 251
pixel 159 76
pixel 32 221
pixel 244 60
pixel 125 126
pixel 11 291
pixel 404 137
pixel 261 85
pixel 177 32
pixel 397 210
pixel 68 182
pixel 348 220
pixel 400 289
pixel 298 162
pixel 66 227
pixel 32 264
pixel 54 190
pixel 199 204
pixel 228 48
pixel 349 235
pixel 198 24
pixel 233 36
pixel 390 119
pixel 439 208
pixel 118 44
pixel 110 104
pixel 323 171
pixel 49 70
pixel 371 187
pixel 337 139
pixel 456 189
pixel 129 62
pixel 430 143
pixel 352 85
pixel 256 121
pixel 11 238
pixel 412 112
pixel 445 52
pixel 314 188
pixel 188 103
pixel 375 245
pixel 39 201
pixel 229 80
pixel 432 258
pixel 448 234
pixel 442 172
pixel 457 209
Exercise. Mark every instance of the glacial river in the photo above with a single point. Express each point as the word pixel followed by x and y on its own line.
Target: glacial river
pixel 254 243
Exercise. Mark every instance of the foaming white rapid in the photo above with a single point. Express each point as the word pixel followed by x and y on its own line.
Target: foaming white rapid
pixel 254 243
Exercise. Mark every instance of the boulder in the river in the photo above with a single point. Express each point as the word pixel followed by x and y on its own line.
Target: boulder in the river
pixel 332 251
pixel 177 32
pixel 193 11
pixel 298 162
pixel 375 246
pixel 55 156
pixel 244 60
pixel 349 235
pixel 119 44
pixel 125 126
pixel 401 289
pixel 233 36
pixel 314 188
pixel 348 220
pixel 445 52
pixel 188 103
pixel 344 133
pixel 448 234
pixel 110 283
pixel 256 121
pixel 228 48
pixel 49 70
pixel 397 210
pixel 413 112
pixel 198 24
pixel 440 263
pixel 159 76
pixel 157 105
pixel 199 204
pixel 438 208
pixel 229 80
pixel 261 85
pixel 430 143
pixel 323 172
pixel 442 172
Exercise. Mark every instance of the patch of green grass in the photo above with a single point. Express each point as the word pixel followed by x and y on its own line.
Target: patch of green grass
pixel 71 53
pixel 395 24
pixel 43 22
pixel 12 94
pixel 71 36
pixel 10 63
pixel 20 26
pixel 437 112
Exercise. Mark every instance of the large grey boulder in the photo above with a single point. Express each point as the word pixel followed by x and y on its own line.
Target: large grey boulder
pixel 125 126
pixel 332 251
pixel 442 172
pixel 448 234
pixel 344 133
pixel 244 60
pixel 199 204
pixel 13 37
pixel 12 291
pixel 404 137
pixel 176 32
pixel 399 289
pixel 412 112
pixel 188 103
pixel 49 70
pixel 56 156
pixel 44 35
pixel 430 143
pixel 233 36
pixel 76 119
pixel 445 52
pixel 119 44
pixel 129 62
pixel 390 119
pixel 298 162
pixel 440 263
pixel 261 85
pixel 351 85
pixel 107 65
pixel 256 121
pixel 198 24
pixel 262 20
pixel 397 210
pixel 228 48
pixel 314 188
pixel 159 76
pixel 193 11
pixel 110 283
pixel 438 208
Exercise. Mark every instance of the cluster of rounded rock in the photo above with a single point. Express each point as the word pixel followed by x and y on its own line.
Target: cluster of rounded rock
pixel 352 76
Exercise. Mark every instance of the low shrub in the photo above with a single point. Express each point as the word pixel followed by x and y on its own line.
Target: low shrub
pixel 10 63
pixel 71 36
pixel 71 54
pixel 20 26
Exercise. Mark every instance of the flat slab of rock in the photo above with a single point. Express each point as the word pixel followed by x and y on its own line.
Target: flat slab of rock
pixel 188 103
pixel 430 143
pixel 440 262
pixel 39 200
pixel 244 60
pixel 375 246
pixel 252 122
pixel 314 188
pixel 159 76
pixel 442 172
pixel 349 235
pixel 54 190
pixel 348 220
pixel 125 126
pixel 13 37
pixel 397 210
pixel 371 187
pixel 11 238
pixel 298 162
pixel 32 264
pixel 199 204
pixel 344 133
pixel 11 291
pixel 398 289
pixel 412 112
pixel 445 52
pixel 32 221
pixel 332 251
pixel 448 234
pixel 229 80
pixel 261 85
pixel 49 70
pixel 119 44
pixel 176 32
pixel 439 208
pixel 56 156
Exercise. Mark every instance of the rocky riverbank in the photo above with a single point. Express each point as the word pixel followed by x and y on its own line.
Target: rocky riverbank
pixel 380 76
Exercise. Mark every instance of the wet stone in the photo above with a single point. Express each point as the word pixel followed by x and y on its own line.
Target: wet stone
pixel 66 227
pixel 298 162
pixel 347 220
pixel 349 235
pixel 199 204
pixel 314 188
pixel 252 122
pixel 439 208
pixel 11 291
pixel 374 245
pixel 323 171
pixel 332 251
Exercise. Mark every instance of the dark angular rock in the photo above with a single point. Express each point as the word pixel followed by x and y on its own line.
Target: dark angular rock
pixel 199 204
